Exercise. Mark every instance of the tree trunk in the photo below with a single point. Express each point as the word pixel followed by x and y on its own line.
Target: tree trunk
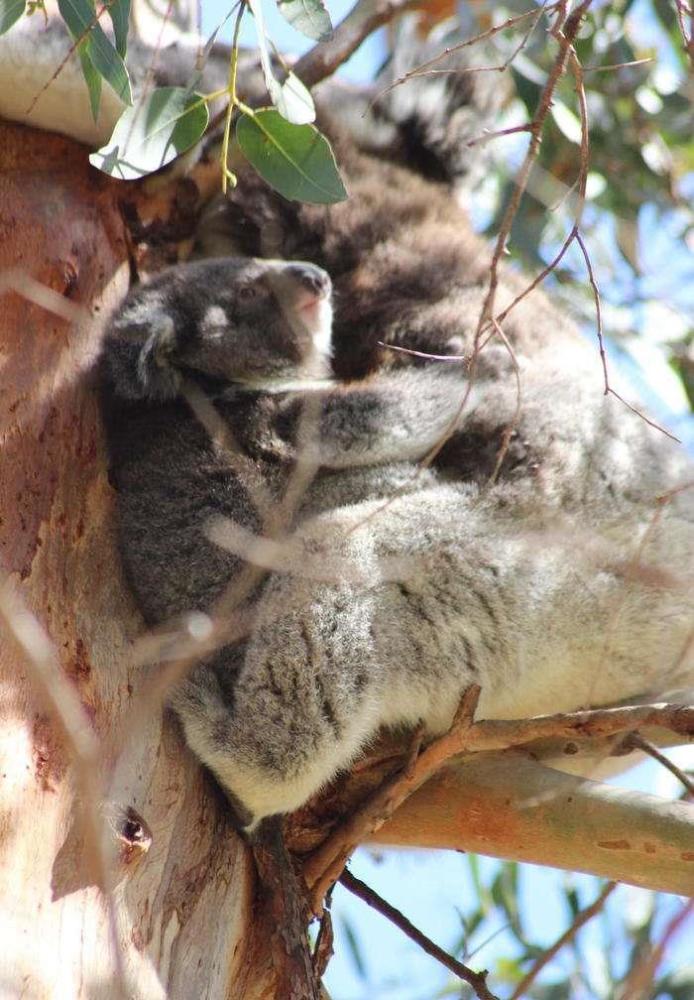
pixel 185 920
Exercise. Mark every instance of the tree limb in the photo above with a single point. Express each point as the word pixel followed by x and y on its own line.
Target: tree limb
pixel 476 980
pixel 509 806
pixel 365 17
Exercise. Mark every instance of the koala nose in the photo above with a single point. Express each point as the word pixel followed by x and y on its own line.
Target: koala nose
pixel 310 277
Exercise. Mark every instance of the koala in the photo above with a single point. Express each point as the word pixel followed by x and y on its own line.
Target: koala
pixel 492 519
pixel 392 587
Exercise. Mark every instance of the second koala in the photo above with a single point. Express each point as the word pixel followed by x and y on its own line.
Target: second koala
pixel 369 614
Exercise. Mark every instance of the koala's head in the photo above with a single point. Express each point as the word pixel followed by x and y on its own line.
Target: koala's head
pixel 230 319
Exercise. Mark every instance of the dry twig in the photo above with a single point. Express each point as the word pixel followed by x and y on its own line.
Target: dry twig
pixel 476 980
pixel 365 17
pixel 326 864
pixel 426 67
pixel 565 38
pixel 639 742
pixel 466 736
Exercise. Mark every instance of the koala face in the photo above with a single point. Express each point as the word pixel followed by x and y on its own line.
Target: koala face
pixel 231 319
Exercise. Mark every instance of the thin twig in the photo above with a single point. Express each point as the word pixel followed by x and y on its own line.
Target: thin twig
pixel 365 17
pixel 621 65
pixel 579 921
pixel 222 437
pixel 455 358
pixel 544 104
pixel 565 38
pixel 16 279
pixel 423 70
pixel 575 235
pixel 476 980
pixel 325 865
pixel 510 22
pixel 598 311
pixel 513 423
pixel 486 315
pixel 487 136
pixel 639 742
pixel 642 416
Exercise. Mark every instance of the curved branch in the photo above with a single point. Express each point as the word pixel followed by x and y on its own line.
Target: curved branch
pixel 508 806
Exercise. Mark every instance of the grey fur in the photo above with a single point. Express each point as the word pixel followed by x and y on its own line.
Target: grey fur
pixel 553 588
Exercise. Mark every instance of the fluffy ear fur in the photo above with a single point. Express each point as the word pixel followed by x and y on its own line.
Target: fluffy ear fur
pixel 141 367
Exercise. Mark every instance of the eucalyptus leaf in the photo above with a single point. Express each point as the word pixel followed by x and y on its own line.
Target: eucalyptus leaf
pixel 119 12
pixel 263 49
pixel 291 98
pixel 81 22
pixel 10 11
pixel 295 160
pixel 308 16
pixel 294 101
pixel 91 77
pixel 154 132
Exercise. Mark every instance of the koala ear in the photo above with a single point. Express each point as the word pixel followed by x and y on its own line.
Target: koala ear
pixel 155 369
pixel 143 370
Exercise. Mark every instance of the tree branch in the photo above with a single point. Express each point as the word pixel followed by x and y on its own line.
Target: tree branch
pixel 639 742
pixel 465 736
pixel 476 980
pixel 365 17
pixel 509 806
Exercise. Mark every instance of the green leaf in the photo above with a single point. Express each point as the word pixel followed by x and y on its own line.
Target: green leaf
pixel 572 900
pixel 80 20
pixel 295 160
pixel 154 132
pixel 294 101
pixel 92 78
pixel 10 11
pixel 119 12
pixel 291 98
pixel 308 16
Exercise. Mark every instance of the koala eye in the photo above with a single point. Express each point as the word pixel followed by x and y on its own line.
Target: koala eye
pixel 248 292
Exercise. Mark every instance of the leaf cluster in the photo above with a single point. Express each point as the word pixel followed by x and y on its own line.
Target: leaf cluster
pixel 280 141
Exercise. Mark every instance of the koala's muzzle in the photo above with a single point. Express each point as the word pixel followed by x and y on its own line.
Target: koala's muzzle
pixel 298 284
pixel 310 278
